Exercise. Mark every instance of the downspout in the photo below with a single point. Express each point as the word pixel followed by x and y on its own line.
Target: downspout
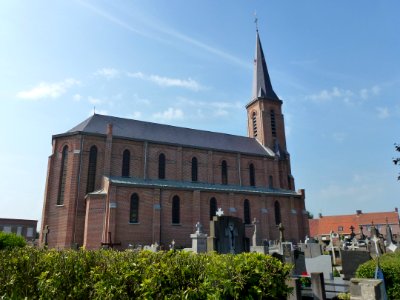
pixel 77 188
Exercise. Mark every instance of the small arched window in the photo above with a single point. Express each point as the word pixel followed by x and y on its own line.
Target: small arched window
pixel 63 176
pixel 252 175
pixel 176 210
pixel 91 179
pixel 224 172
pixel 194 169
pixel 126 160
pixel 271 182
pixel 161 166
pixel 134 209
pixel 273 122
pixel 246 210
pixel 278 219
pixel 213 207
pixel 254 118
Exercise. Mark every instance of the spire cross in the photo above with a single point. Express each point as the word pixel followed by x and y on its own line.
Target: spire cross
pixel 256 20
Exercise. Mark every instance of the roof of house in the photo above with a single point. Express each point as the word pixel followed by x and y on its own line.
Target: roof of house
pixel 326 224
pixel 167 134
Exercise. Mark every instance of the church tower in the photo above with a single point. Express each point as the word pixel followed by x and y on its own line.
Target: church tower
pixel 265 120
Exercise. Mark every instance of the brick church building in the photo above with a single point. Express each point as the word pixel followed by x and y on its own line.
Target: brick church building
pixel 140 182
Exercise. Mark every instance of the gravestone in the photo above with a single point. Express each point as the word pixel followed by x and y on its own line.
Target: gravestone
pixel 311 249
pixel 46 232
pixel 255 247
pixel 227 235
pixel 299 263
pixel 351 260
pixel 287 252
pixel 322 263
pixel 199 239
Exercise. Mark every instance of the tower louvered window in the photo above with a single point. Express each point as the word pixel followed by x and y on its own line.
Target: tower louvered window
pixel 246 210
pixel 277 213
pixel 273 123
pixel 224 172
pixel 271 182
pixel 252 175
pixel 194 169
pixel 176 210
pixel 254 118
pixel 63 176
pixel 161 166
pixel 126 159
pixel 91 179
pixel 213 207
pixel 134 209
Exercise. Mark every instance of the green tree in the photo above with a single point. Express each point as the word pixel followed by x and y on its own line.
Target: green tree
pixel 11 240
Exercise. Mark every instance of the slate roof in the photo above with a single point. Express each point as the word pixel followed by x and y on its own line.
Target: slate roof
pixel 188 185
pixel 166 134
pixel 324 225
pixel 262 87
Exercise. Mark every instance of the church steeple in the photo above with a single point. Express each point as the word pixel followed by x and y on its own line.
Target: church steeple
pixel 262 87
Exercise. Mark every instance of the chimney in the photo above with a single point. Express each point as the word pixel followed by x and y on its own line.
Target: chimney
pixel 109 128
pixel 320 215
pixel 358 212
pixel 396 209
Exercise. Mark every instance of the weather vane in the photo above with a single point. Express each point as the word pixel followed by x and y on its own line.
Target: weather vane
pixel 256 20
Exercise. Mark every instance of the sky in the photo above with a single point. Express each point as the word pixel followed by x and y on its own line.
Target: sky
pixel 334 64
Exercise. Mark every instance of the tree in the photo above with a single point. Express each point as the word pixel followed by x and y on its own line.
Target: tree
pixel 310 215
pixel 396 160
pixel 11 240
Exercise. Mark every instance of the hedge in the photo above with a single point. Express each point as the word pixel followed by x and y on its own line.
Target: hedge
pixel 390 265
pixel 106 274
pixel 11 240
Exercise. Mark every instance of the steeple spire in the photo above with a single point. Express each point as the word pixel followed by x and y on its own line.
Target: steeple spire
pixel 262 87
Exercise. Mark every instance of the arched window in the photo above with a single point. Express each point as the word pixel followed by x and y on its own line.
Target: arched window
pixel 254 118
pixel 224 172
pixel 161 166
pixel 277 213
pixel 63 176
pixel 126 160
pixel 273 123
pixel 252 175
pixel 271 182
pixel 213 207
pixel 134 209
pixel 91 179
pixel 246 210
pixel 176 210
pixel 194 169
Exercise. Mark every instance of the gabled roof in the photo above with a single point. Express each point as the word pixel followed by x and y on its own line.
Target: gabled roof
pixel 166 134
pixel 262 87
pixel 324 225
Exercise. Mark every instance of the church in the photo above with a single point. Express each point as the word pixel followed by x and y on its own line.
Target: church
pixel 127 182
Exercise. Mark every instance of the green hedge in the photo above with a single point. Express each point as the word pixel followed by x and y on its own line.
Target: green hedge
pixel 390 265
pixel 102 274
pixel 11 240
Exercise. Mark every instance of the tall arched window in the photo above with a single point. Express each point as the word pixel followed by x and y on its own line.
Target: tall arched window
pixel 213 207
pixel 252 175
pixel 277 213
pixel 273 123
pixel 224 172
pixel 254 118
pixel 126 160
pixel 194 169
pixel 246 210
pixel 134 209
pixel 161 166
pixel 63 176
pixel 271 182
pixel 176 210
pixel 91 179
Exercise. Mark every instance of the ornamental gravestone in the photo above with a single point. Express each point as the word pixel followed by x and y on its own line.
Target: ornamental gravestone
pixel 226 235
pixel 199 239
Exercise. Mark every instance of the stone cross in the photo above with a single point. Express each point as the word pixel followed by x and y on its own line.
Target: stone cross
pixel 172 246
pixel 45 232
pixel 254 238
pixel 281 235
pixel 352 234
pixel 362 236
pixel 219 212
pixel 199 227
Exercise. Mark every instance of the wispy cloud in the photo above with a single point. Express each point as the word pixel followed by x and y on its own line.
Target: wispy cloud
pixel 383 112
pixel 168 81
pixel 108 73
pixel 93 100
pixel 169 114
pixel 48 90
pixel 339 136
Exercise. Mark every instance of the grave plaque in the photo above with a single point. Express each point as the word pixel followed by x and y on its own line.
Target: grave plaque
pixel 351 260
pixel 226 235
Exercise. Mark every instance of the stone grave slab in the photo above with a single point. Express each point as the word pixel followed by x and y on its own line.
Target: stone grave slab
pixel 320 263
pixel 351 260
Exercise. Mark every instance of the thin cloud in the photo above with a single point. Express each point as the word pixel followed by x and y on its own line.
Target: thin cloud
pixel 48 90
pixel 108 73
pixel 93 100
pixel 169 114
pixel 168 81
pixel 383 112
pixel 348 96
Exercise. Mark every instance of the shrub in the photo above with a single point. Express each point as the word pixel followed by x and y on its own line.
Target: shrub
pixel 103 274
pixel 390 265
pixel 11 240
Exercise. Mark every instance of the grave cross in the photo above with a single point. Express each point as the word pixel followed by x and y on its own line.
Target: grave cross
pixel 281 230
pixel 45 232
pixel 219 212
pixel 254 237
pixel 110 243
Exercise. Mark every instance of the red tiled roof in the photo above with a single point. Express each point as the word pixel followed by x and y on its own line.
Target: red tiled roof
pixel 326 224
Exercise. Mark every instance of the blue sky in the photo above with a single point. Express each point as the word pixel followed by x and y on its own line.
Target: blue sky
pixel 335 65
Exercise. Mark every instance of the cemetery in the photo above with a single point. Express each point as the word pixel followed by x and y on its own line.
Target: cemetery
pixel 224 263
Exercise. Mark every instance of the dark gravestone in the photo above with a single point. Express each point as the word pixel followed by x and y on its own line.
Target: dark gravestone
pixel 351 260
pixel 299 263
pixel 227 235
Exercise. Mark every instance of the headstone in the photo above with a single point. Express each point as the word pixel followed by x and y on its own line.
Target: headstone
pixel 172 245
pixel 227 235
pixel 199 239
pixel 281 233
pixel 351 260
pixel 311 249
pixel 389 238
pixel 322 263
pixel 299 263
pixel 287 252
